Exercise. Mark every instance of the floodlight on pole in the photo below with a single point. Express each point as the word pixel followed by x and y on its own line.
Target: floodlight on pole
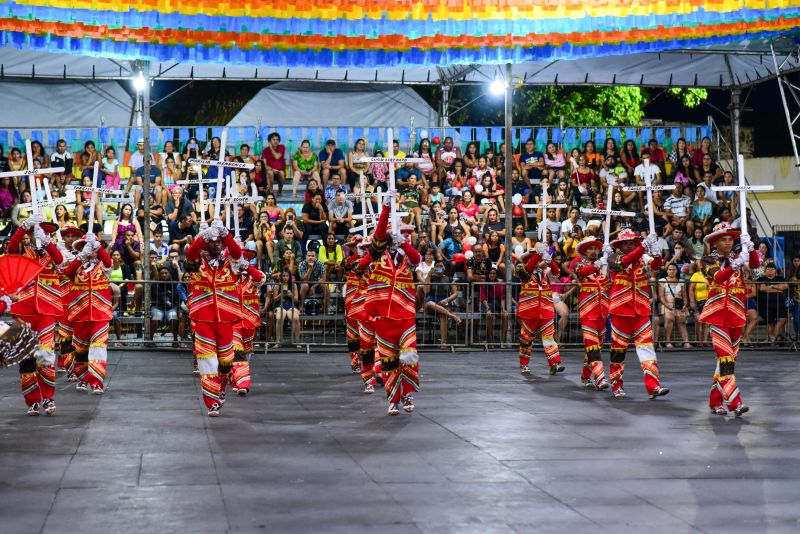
pixel 139 83
pixel 497 87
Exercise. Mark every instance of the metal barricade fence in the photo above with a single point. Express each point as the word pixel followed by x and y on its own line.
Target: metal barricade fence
pixel 450 316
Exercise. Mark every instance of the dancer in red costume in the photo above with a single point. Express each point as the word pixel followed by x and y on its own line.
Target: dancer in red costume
pixel 66 351
pixel 630 309
pixel 725 311
pixel 250 282
pixel 40 306
pixel 391 300
pixel 370 366
pixel 592 309
pixel 352 279
pixel 535 311
pixel 90 312
pixel 214 308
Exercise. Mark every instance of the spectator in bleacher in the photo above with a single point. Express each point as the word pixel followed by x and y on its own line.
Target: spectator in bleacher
pixel 287 262
pixel 495 249
pixel 274 156
pixel 681 150
pixel 676 242
pixel 259 176
pixel 446 155
pixel 702 150
pixel 494 224
pixel 674 304
pixel 570 223
pixel 726 199
pixel 4 160
pixel 289 220
pixel 491 196
pixel 531 163
pixel 8 196
pixel 172 174
pixel 610 149
pixel 63 217
pixel 471 157
pixel 206 206
pixel 92 155
pixel 271 208
pixel 61 157
pixel 285 299
pixel 168 153
pixel 264 234
pixel 593 158
pixel 174 263
pixel 305 165
pixel 437 221
pixel 772 293
pixel 312 188
pixel 311 274
pixel 244 154
pixel 16 162
pixel 702 212
pixel 19 214
pixel 657 156
pixel 215 148
pixel 440 295
pixel 334 186
pixel 157 220
pixel 492 301
pixel 629 156
pixel 181 232
pixel 555 163
pixel 676 205
pixel 110 168
pixel 246 227
pixel 136 163
pixel 340 214
pixel 456 176
pixel 403 174
pixel 685 168
pixel 331 256
pixel 427 167
pixel 646 166
pixel 451 245
pixel 697 244
pixel 354 166
pixel 287 240
pixel 411 199
pixel 126 222
pixel 129 247
pixel 707 166
pixel 469 211
pixel 520 239
pixel 179 205
pixel 165 302
pixel 332 162
pixel 794 294
pixel 158 248
pixel 315 217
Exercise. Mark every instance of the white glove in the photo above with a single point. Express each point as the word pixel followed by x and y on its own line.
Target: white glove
pixel 747 243
pixel 7 300
pixel 90 238
pixel 40 236
pixel 607 250
pixel 409 357
pixel 540 249
pixel 601 263
pixel 546 257
pixel 650 242
pixel 243 264
pixel 203 226
pixel 220 228
pixel 84 254
pixel 740 260
pixel 389 196
pixel 31 221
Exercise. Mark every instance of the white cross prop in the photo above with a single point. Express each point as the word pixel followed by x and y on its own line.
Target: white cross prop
pixel 608 212
pixel 201 182
pixel 33 173
pixel 648 187
pixel 391 160
pixel 544 205
pixel 96 192
pixel 743 189
pixel 62 202
pixel 234 201
pixel 220 164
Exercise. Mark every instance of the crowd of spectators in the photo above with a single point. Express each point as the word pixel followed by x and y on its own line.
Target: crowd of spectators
pixel 454 198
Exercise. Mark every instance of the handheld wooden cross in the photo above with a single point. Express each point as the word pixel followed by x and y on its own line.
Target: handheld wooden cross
pixel 544 205
pixel 391 160
pixel 742 188
pixel 220 164
pixel 648 187
pixel 32 173
pixel 608 212
pixel 233 202
pixel 367 214
pixel 97 196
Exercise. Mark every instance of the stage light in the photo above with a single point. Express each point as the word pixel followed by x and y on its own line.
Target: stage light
pixel 139 83
pixel 498 87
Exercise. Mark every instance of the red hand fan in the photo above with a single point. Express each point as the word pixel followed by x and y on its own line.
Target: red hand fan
pixel 16 271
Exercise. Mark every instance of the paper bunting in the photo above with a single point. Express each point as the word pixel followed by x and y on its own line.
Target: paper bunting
pixel 380 33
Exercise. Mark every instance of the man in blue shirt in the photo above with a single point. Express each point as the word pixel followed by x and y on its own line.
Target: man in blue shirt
pixel 531 163
pixel 334 187
pixel 331 161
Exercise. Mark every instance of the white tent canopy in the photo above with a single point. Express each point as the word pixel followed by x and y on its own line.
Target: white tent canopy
pixel 298 104
pixel 31 104
pixel 738 64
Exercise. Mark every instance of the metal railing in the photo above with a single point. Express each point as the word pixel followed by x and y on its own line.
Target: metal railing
pixel 451 316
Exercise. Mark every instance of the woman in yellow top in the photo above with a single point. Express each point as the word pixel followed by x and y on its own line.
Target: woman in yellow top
pixel 698 293
pixel 332 257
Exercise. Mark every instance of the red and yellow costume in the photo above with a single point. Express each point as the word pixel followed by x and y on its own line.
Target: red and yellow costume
pixel 725 312
pixel 593 303
pixel 214 308
pixel 40 306
pixel 90 314
pixel 66 357
pixel 391 301
pixel 353 278
pixel 630 311
pixel 250 280
pixel 535 311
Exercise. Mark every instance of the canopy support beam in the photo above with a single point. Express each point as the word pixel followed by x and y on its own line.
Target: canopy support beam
pixel 791 121
pixel 146 178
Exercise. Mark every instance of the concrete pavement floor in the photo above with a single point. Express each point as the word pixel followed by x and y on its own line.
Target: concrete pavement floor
pixel 487 450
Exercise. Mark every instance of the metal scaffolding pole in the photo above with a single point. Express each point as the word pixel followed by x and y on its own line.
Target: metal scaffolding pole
pixel 145 70
pixel 509 190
